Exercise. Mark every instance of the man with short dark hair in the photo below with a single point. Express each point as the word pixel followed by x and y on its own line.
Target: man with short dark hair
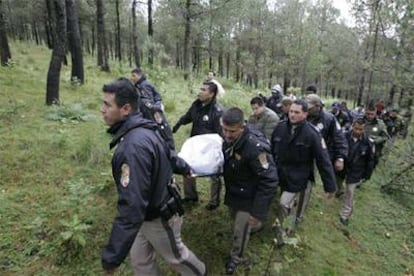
pixel 263 118
pixel 149 220
pixel 250 178
pixel 204 114
pixel 330 129
pixel 376 130
pixel 211 77
pixel 358 112
pixel 359 165
pixel 151 96
pixel 343 118
pixel 296 145
pixel 150 104
pixel 398 124
pixel 311 89
pixel 345 109
pixel 334 137
pixel 380 107
pixel 286 103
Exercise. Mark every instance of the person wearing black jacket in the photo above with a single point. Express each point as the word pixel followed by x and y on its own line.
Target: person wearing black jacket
pixel 150 104
pixel 204 114
pixel 250 177
pixel 149 218
pixel 296 144
pixel 330 129
pixel 334 137
pixel 273 101
pixel 359 165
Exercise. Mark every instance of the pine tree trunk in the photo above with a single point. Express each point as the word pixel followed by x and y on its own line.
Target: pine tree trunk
pixel 58 53
pixel 35 33
pixel 93 43
pixel 118 49
pixel 177 55
pixel 150 34
pixel 227 65
pixel 74 42
pixel 136 54
pixel 210 40
pixel 5 53
pixel 220 62
pixel 101 37
pixel 187 39
pixel 48 24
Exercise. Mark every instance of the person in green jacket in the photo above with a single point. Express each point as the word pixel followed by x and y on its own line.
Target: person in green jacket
pixel 263 118
pixel 376 130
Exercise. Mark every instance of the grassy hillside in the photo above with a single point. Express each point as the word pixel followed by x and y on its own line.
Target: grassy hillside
pixel 57 197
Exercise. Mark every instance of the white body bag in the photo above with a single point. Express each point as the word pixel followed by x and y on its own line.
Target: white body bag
pixel 204 154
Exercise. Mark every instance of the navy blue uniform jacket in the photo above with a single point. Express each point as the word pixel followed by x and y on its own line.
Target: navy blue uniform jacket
pixel 331 131
pixel 149 96
pixel 141 170
pixel 360 162
pixel 294 156
pixel 205 119
pixel 250 174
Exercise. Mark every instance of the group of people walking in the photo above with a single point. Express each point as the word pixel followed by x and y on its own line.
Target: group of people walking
pixel 277 146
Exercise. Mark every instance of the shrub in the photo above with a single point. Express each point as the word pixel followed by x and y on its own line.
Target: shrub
pixel 72 113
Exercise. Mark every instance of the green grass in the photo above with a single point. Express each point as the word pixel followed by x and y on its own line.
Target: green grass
pixel 58 200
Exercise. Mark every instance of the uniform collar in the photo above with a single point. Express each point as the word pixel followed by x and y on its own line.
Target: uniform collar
pixel 119 129
pixel 143 78
pixel 229 148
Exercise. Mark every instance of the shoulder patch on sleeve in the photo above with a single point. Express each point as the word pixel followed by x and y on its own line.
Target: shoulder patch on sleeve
pixel 337 125
pixel 323 144
pixel 218 107
pixel 319 126
pixel 315 128
pixel 125 175
pixel 237 156
pixel 263 160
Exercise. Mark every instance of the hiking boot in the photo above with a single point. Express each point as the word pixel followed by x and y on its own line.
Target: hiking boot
pixel 280 236
pixel 231 266
pixel 299 220
pixel 344 221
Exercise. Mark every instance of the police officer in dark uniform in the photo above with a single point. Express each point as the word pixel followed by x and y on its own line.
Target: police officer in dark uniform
pixel 250 178
pixel 334 137
pixel 150 104
pixel 296 144
pixel 359 165
pixel 149 218
pixel 341 116
pixel 204 114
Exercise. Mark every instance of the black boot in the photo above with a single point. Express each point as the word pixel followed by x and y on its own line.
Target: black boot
pixel 231 266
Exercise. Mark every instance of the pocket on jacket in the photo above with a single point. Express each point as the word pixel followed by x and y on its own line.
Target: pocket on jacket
pixel 242 192
pixel 302 149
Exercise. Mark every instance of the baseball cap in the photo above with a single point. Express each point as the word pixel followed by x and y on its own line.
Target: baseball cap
pixel 336 105
pixel 313 100
pixel 286 100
